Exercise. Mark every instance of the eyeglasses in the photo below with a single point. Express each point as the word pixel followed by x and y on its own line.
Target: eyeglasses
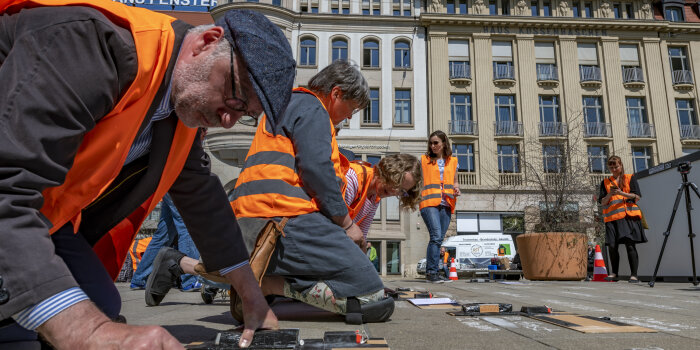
pixel 434 142
pixel 250 118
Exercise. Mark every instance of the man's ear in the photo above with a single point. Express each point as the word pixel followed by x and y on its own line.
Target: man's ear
pixel 208 39
pixel 337 93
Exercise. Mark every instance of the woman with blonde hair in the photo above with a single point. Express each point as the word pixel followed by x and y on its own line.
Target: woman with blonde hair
pixel 619 194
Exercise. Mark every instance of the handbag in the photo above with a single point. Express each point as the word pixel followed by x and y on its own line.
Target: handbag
pixel 259 258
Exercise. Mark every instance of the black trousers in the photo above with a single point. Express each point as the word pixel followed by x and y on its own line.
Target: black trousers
pixel 88 271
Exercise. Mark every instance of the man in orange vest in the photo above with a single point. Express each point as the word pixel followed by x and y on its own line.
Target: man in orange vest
pixel 295 170
pixel 99 106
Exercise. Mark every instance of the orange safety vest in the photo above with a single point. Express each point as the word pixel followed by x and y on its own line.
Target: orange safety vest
pixel 433 187
pixel 619 207
pixel 269 184
pixel 364 179
pixel 446 257
pixel 137 249
pixel 103 150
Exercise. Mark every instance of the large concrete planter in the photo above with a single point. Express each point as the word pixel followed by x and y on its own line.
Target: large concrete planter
pixel 553 256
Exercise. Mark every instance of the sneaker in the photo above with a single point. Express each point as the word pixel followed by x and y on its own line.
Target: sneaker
pixel 194 287
pixel 445 279
pixel 166 270
pixel 135 286
pixel 434 279
pixel 208 293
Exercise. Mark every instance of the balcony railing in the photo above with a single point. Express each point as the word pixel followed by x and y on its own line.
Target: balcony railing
pixel 510 179
pixel 503 72
pixel 596 179
pixel 508 128
pixel 690 132
pixel 547 72
pixel 466 179
pixel 460 70
pixel 597 130
pixel 590 73
pixel 553 129
pixel 636 130
pixel 463 127
pixel 682 77
pixel 632 75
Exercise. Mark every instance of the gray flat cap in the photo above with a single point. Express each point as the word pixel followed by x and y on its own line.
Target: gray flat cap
pixel 266 52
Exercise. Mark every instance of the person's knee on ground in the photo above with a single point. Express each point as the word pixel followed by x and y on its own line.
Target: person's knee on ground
pixel 371 307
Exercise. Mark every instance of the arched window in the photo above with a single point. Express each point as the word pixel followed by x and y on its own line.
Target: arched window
pixel 340 49
pixel 307 54
pixel 402 54
pixel 370 53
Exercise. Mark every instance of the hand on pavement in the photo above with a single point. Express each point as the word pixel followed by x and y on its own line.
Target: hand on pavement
pixel 84 326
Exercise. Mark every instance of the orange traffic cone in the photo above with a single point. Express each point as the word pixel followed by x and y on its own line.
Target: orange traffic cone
pixel 453 270
pixel 599 270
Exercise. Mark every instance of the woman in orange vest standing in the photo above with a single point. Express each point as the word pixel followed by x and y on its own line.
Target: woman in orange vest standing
pixel 439 195
pixel 623 224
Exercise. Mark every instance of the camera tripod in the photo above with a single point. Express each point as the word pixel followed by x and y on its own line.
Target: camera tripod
pixel 684 169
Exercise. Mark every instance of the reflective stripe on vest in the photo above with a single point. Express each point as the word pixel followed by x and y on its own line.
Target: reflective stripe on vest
pixel 618 207
pixel 433 187
pixel 103 151
pixel 269 184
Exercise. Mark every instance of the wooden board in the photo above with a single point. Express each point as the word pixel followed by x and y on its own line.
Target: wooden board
pixel 588 324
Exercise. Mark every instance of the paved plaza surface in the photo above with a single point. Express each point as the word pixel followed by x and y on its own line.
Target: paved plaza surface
pixel 671 309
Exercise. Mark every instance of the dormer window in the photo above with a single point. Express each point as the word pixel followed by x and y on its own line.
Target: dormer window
pixel 674 14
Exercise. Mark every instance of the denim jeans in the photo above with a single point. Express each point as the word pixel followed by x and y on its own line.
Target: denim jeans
pixel 436 219
pixel 170 228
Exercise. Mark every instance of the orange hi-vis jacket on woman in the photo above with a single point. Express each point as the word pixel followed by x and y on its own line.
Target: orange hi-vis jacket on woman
pixel 364 179
pixel 433 187
pixel 619 206
pixel 269 184
pixel 103 151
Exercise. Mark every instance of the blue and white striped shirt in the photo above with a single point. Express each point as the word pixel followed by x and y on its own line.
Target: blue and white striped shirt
pixel 34 316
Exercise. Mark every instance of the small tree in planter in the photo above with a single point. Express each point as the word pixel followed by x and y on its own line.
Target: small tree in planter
pixel 558 194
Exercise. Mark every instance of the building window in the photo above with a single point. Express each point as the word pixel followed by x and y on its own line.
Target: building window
pixel 465 156
pixel 458 53
pixel 680 69
pixel 550 118
pixel 371 113
pixel 535 8
pixel 314 9
pixel 575 10
pixel 493 9
pixel 340 49
pixel 461 114
pixel 545 61
pixel 687 119
pixel 505 7
pixel 629 58
pixel 502 55
pixel 636 113
pixel 588 62
pixel 370 54
pixel 588 10
pixel 617 11
pixel 402 104
pixel 553 159
pixel 597 158
pixel 450 5
pixel 629 11
pixel 393 255
pixel 547 9
pixel 277 2
pixel 463 7
pixel 508 159
pixel 407 8
pixel 641 158
pixel 376 7
pixel 307 56
pixel 594 117
pixel 674 14
pixel 402 54
pixel 506 116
